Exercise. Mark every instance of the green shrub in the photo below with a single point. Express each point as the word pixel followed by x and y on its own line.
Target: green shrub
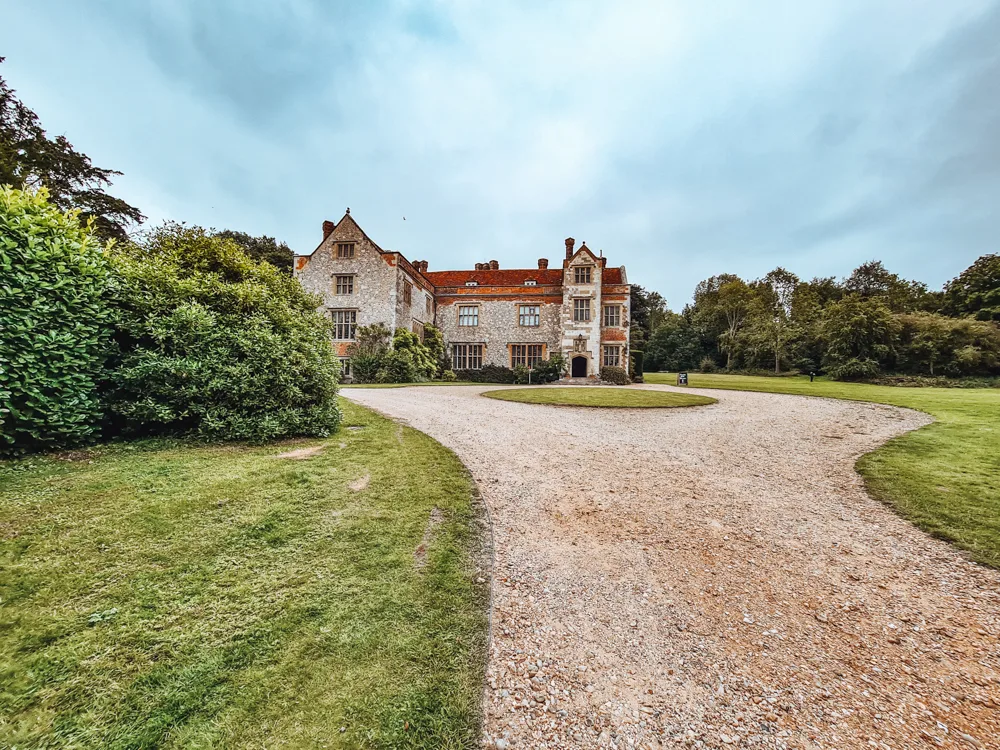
pixel 855 369
pixel 449 376
pixel 614 375
pixel 549 370
pixel 399 367
pixel 423 362
pixel 707 364
pixel 488 374
pixel 521 374
pixel 54 327
pixel 213 344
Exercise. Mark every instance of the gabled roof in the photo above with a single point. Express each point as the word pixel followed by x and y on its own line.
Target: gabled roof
pixel 611 276
pixel 498 277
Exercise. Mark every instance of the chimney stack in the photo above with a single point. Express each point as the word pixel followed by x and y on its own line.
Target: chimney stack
pixel 494 266
pixel 543 263
pixel 569 247
pixel 423 266
pixel 328 227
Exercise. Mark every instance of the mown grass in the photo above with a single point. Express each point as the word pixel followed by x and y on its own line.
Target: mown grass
pixel 599 397
pixel 173 595
pixel 945 477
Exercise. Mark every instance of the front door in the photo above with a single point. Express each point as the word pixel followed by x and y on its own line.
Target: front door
pixel 579 367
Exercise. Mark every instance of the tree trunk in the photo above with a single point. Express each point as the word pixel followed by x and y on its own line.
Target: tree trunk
pixel 777 362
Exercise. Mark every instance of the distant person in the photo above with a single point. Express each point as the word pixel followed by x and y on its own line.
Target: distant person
pixel 811 376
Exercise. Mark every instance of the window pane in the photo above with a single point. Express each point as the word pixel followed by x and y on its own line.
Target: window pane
pixel 581 310
pixel 468 316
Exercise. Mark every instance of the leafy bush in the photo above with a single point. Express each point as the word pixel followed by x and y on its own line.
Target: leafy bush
pixel 434 342
pixel 54 328
pixel 855 369
pixel 423 362
pixel 936 345
pixel 521 374
pixel 549 370
pixel 488 374
pixel 398 367
pixel 449 376
pixel 213 344
pixel 707 364
pixel 615 375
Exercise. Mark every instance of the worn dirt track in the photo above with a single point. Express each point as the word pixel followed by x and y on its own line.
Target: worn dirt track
pixel 713 577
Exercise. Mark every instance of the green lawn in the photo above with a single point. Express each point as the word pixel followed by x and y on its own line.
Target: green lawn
pixel 598 396
pixel 945 477
pixel 174 595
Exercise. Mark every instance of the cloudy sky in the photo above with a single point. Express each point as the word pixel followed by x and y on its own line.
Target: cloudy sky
pixel 683 139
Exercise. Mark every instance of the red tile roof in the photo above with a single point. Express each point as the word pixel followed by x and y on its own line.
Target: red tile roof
pixel 611 276
pixel 500 277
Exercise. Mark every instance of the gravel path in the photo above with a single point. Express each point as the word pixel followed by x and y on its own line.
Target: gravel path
pixel 713 577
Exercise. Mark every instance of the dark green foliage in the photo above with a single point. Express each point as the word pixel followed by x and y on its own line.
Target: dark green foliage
pixel 976 291
pixel 29 158
pixel 521 374
pixel 707 364
pixel 958 347
pixel 54 328
pixel 549 370
pixel 403 358
pixel 434 342
pixel 213 344
pixel 265 249
pixel 646 310
pixel 488 374
pixel 859 333
pixel 614 375
pixel 675 345
pixel 636 362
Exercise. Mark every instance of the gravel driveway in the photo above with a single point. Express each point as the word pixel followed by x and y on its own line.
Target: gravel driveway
pixel 713 577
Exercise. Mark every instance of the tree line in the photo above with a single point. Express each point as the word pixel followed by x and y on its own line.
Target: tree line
pixel 871 324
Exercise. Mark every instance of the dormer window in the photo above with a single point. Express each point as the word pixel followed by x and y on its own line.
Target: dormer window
pixel 581 275
pixel 530 282
pixel 472 283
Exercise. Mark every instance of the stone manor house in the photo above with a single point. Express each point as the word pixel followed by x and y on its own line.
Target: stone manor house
pixel 488 315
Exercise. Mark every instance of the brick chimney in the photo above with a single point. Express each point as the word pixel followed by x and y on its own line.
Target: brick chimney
pixel 494 266
pixel 423 266
pixel 328 227
pixel 543 263
pixel 569 247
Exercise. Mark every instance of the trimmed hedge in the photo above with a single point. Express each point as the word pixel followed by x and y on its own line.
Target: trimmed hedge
pixel 615 375
pixel 54 325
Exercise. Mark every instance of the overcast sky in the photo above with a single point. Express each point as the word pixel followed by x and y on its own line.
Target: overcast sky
pixel 683 139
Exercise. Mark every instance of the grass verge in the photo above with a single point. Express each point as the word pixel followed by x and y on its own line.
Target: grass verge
pixel 172 595
pixel 599 397
pixel 945 477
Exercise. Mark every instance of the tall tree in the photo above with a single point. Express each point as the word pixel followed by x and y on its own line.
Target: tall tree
pixel 860 334
pixel 734 300
pixel 30 158
pixel 772 328
pixel 266 249
pixel 647 310
pixel 873 279
pixel 976 291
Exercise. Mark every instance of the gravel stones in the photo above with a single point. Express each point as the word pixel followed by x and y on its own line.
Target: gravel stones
pixel 721 576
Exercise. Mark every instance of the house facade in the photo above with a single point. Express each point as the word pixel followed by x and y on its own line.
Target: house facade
pixel 487 315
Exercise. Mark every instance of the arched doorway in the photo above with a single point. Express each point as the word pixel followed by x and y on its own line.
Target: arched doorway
pixel 579 369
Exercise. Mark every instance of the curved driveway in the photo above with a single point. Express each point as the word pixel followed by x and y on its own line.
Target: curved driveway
pixel 713 577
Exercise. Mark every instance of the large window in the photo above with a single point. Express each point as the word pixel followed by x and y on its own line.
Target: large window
pixel 467 356
pixel 528 315
pixel 345 285
pixel 612 315
pixel 581 275
pixel 345 250
pixel 525 354
pixel 581 310
pixel 468 315
pixel 344 323
pixel 612 356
